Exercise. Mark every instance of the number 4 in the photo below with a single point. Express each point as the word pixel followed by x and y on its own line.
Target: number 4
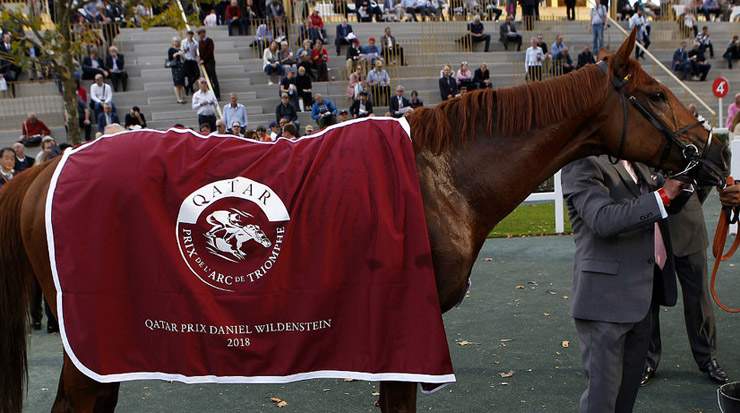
pixel 721 87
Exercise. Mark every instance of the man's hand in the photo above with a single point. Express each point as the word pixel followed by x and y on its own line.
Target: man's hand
pixel 730 196
pixel 673 187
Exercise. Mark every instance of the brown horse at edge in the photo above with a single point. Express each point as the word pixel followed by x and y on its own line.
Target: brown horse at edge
pixel 478 157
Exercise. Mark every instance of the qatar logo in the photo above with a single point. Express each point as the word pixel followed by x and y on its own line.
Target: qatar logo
pixel 230 232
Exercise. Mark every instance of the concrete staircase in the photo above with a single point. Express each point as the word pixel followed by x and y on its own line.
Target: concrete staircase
pixel 239 69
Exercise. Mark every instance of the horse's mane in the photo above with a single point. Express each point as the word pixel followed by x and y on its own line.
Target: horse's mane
pixel 508 111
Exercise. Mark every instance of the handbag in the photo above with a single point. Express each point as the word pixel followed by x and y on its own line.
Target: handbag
pixel 169 63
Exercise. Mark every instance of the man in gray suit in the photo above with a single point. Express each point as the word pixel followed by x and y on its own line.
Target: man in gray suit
pixel 689 242
pixel 622 269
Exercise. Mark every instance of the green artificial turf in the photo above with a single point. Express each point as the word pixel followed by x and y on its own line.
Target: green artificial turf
pixel 529 219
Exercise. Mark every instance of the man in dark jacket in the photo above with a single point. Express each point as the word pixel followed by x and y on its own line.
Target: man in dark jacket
pixel 585 58
pixel 114 63
pixel 93 65
pixel 508 34
pixel 361 108
pixel 399 104
pixel 343 30
pixel 285 110
pixel 205 52
pixel 447 84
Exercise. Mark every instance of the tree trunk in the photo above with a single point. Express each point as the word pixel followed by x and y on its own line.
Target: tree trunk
pixel 70 108
pixel 66 74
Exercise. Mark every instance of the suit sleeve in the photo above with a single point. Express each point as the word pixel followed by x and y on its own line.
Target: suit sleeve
pixel 586 192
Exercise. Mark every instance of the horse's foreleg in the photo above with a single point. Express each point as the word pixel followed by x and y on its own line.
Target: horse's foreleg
pixel 79 393
pixel 397 397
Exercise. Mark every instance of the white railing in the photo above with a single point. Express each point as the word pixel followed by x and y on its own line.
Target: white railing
pixel 555 196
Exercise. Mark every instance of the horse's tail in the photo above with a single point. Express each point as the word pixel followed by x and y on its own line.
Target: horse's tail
pixel 15 281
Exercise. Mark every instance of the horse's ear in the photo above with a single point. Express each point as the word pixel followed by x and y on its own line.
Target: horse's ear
pixel 603 55
pixel 620 61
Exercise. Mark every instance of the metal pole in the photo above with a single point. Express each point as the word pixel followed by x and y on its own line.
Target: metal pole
pixel 719 109
pixel 665 69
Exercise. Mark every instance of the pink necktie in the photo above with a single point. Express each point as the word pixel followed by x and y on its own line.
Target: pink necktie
pixel 660 252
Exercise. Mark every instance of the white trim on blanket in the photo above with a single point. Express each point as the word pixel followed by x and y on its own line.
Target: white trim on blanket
pixel 109 378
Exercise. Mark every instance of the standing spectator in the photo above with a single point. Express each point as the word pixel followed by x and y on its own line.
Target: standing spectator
pixel 598 22
pixel 206 57
pixel 107 117
pixel 354 57
pixel 8 69
pixel 284 110
pixel 380 84
pixel 528 11
pixel 732 52
pixel 585 58
pixel 303 84
pixel 341 38
pixel 7 165
pixel 288 86
pixel 318 22
pixel 509 34
pixel 33 130
pixel 276 13
pixel 190 62
pixel 447 84
pixel 319 61
pixel 705 42
pixel 114 63
pixel 732 111
pixel 235 112
pixel 570 9
pixel 464 77
pixel 271 63
pixel 681 63
pixel 234 18
pixel 392 51
pixel 371 52
pixel 541 43
pixel 205 104
pixel 134 119
pixel 211 20
pixel 100 93
pixel 92 66
pixel 476 34
pixel 176 62
pixel 482 77
pixel 323 111
pixel 557 46
pixel 643 32
pixel 22 162
pixel 310 32
pixel 361 108
pixel 399 104
pixel 533 61
pixel 415 102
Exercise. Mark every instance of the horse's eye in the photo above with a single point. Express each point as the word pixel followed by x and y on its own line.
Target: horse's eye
pixel 657 97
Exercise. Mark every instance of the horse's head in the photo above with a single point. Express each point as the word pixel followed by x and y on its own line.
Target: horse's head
pixel 644 121
pixel 258 235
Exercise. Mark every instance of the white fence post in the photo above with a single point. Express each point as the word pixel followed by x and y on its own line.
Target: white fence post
pixel 555 196
pixel 735 169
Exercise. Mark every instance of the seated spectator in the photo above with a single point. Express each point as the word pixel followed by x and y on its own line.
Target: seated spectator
pixel 235 112
pixel 284 110
pixel 732 52
pixel 276 12
pixel 236 129
pixel 476 34
pixel 732 111
pixel 624 10
pixel 275 130
pixel 319 61
pixel 482 77
pixel 690 22
pixel 303 84
pixel 288 86
pixel 205 129
pixel 493 12
pixel 100 93
pixel 354 78
pixel 107 117
pixel 361 107
pixel 533 61
pixel 8 70
pixel 290 131
pixel 134 119
pixel 271 63
pixel 114 64
pixel 380 84
pixel 557 46
pixel 508 34
pixel 344 29
pixel 92 66
pixel 585 58
pixel 355 61
pixel 308 130
pixel 699 66
pixel 33 130
pixel 323 111
pixel 710 7
pixel 234 18
pixel 220 127
pixel 7 165
pixel 304 54
pixel 564 63
pixel 318 22
pixel 360 87
pixel 363 13
pixel 49 150
pixel 262 134
pixel 22 162
pixel 371 52
pixel 211 19
pixel 262 37
pixel 286 57
pixel 705 42
pixel 342 116
pixel 681 63
pixel 309 32
pixel 399 104
pixel 464 77
pixel 414 7
pixel 447 84
pixel 366 10
pixel 415 102
pixel 392 51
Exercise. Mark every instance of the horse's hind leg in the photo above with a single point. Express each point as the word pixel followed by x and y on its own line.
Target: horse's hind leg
pixel 79 393
pixel 397 397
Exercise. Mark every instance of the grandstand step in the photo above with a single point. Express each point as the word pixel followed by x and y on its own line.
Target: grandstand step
pixel 244 97
pixel 157 59
pixel 184 112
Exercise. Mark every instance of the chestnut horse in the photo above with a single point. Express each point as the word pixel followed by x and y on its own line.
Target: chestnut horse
pixel 478 157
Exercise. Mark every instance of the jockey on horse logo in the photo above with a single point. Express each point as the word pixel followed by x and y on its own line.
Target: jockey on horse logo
pixel 229 232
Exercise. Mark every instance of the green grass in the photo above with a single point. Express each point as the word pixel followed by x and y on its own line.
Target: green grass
pixel 529 220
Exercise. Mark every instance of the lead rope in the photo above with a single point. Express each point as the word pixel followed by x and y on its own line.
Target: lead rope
pixel 726 218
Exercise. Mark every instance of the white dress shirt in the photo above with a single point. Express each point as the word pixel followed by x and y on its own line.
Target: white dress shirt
pixel 189 49
pixel 101 94
pixel 205 103
pixel 533 57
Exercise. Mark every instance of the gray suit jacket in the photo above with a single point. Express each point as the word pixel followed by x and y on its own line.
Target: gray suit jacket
pixel 614 224
pixel 688 230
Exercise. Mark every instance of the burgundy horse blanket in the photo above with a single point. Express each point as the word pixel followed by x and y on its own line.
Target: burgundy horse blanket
pixel 219 259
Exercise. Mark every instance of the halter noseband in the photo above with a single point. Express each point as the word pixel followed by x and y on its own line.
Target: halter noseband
pixel 688 150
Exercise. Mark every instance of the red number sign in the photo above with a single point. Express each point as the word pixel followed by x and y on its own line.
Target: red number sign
pixel 720 87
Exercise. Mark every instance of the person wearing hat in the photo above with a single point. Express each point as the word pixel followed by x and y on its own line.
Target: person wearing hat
pixel 285 110
pixel 344 30
pixel 371 52
pixel 189 48
pixel 361 107
pixel 206 57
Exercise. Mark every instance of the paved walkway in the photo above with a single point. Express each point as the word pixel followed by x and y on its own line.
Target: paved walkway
pixel 513 329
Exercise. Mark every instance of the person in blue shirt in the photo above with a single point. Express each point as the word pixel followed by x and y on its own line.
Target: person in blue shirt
pixel 235 112
pixel 681 62
pixel 371 52
pixel 557 46
pixel 323 111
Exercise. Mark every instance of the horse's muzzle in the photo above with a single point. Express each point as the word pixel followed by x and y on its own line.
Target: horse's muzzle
pixel 714 164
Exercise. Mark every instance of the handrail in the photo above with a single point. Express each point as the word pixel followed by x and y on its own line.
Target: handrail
pixel 662 66
pixel 202 68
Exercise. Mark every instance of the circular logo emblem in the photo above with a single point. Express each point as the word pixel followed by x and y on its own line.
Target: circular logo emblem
pixel 230 232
